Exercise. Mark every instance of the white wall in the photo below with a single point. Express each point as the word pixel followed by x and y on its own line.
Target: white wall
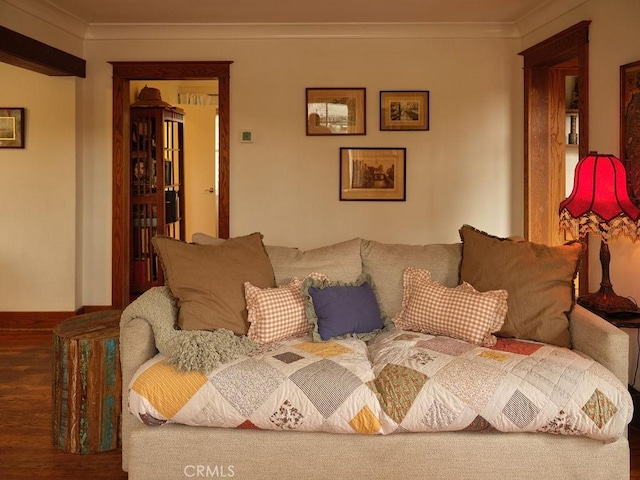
pixel 456 172
pixel 466 169
pixel 285 184
pixel 41 240
pixel 38 195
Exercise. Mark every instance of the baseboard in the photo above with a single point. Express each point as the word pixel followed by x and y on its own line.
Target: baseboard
pixel 41 320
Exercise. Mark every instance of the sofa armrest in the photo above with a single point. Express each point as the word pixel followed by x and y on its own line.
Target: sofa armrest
pixel 594 336
pixel 137 345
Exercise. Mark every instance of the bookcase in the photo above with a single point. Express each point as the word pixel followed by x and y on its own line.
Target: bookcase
pixel 157 196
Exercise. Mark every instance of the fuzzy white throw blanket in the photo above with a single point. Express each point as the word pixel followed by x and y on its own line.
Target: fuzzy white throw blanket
pixel 186 349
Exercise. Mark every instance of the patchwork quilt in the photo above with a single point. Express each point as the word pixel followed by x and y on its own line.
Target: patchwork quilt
pixel 429 384
pixel 398 382
pixel 290 385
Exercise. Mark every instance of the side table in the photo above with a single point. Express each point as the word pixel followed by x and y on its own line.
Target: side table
pixel 87 382
pixel 628 320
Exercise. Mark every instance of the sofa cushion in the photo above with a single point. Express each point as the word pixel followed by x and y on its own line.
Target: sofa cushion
pixel 386 264
pixel 459 312
pixel 341 309
pixel 538 278
pixel 340 261
pixel 276 313
pixel 208 280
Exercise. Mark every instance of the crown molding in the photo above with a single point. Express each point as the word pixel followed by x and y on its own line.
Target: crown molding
pixel 44 12
pixel 546 14
pixel 63 21
pixel 299 31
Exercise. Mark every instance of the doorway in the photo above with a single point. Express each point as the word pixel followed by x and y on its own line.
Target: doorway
pixel 123 74
pixel 546 68
pixel 198 99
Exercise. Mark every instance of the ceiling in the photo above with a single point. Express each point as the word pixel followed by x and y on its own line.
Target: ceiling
pixel 296 11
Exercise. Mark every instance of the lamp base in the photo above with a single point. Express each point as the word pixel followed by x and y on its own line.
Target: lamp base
pixel 607 301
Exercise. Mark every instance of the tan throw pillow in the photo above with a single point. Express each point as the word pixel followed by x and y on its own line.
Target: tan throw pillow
pixel 460 312
pixel 208 280
pixel 340 261
pixel 386 262
pixel 538 278
pixel 205 239
pixel 276 313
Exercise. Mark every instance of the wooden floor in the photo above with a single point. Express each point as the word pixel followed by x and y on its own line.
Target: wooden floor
pixel 26 450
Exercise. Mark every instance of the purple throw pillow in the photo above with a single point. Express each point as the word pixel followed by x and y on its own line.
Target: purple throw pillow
pixel 346 309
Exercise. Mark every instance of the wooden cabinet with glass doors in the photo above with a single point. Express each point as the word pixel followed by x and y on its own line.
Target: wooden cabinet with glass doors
pixel 157 195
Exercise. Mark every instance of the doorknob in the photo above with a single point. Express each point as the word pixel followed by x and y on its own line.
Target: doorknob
pixel 210 190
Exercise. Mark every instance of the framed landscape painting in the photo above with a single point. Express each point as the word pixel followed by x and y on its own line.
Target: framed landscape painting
pixel 373 174
pixel 336 111
pixel 404 110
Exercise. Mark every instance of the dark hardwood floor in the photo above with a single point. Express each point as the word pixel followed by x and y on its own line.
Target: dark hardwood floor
pixel 26 449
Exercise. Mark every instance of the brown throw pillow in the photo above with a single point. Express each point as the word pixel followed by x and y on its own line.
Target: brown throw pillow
pixel 208 280
pixel 538 279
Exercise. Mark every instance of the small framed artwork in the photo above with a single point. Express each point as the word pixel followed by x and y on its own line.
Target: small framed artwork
pixel 404 110
pixel 630 126
pixel 336 111
pixel 11 127
pixel 373 174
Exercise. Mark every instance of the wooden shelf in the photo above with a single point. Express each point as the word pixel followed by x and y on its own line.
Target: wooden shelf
pixel 157 199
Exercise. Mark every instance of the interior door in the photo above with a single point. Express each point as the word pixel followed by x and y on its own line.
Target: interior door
pixel 200 177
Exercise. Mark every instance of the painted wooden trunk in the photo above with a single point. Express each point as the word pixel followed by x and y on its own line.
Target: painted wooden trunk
pixel 87 383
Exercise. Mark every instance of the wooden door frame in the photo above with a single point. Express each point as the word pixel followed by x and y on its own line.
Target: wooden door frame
pixel 123 74
pixel 544 65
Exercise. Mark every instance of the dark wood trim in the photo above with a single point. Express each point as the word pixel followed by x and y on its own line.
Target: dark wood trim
pixel 123 74
pixel 567 50
pixel 25 52
pixel 536 111
pixel 42 320
pixel 559 48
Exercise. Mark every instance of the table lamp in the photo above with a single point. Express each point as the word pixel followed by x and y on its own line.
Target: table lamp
pixel 600 204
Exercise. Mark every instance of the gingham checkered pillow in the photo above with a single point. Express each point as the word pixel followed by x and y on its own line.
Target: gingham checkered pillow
pixel 277 313
pixel 460 312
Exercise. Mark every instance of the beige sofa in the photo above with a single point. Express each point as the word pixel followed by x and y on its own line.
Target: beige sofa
pixel 175 451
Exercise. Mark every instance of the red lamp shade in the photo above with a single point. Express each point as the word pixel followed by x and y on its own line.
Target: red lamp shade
pixel 599 202
pixel 600 187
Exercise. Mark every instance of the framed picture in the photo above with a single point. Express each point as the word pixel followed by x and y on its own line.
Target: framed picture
pixel 373 174
pixel 11 127
pixel 630 126
pixel 336 111
pixel 404 110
